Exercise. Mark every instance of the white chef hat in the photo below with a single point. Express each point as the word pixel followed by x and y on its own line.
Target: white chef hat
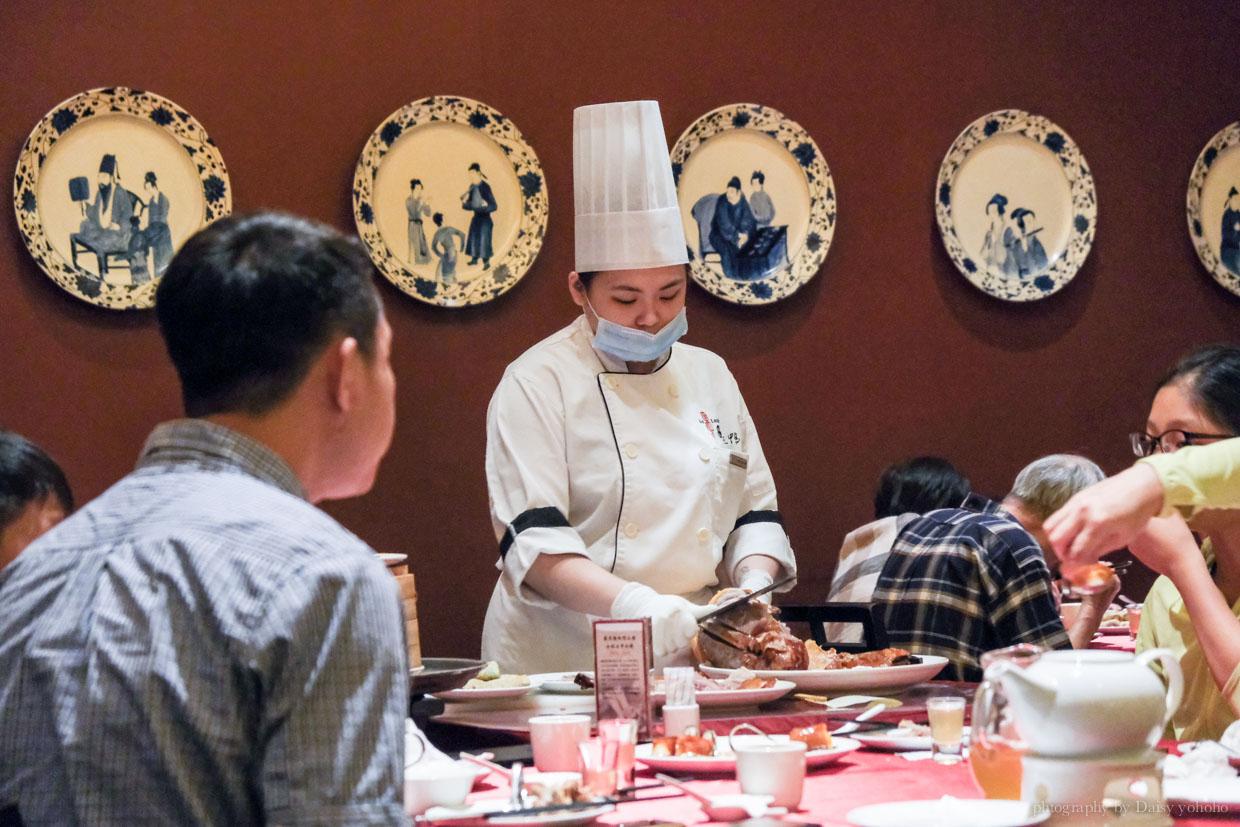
pixel 626 209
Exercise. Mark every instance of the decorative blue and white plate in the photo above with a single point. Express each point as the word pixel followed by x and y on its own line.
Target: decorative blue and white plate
pixel 757 200
pixel 451 201
pixel 109 185
pixel 1016 205
pixel 1214 207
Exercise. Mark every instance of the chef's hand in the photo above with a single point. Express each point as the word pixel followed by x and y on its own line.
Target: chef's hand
pixel 1106 515
pixel 754 579
pixel 673 619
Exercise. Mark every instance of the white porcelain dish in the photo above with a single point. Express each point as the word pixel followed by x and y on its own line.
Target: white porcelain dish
pixel 726 761
pixel 861 677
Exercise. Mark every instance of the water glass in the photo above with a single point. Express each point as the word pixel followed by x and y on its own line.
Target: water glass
pixel 598 765
pixel 623 731
pixel 946 728
pixel 555 739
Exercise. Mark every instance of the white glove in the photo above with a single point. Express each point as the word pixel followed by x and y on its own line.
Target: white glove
pixel 755 579
pixel 673 619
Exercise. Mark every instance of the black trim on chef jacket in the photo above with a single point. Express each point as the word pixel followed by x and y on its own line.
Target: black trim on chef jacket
pixel 545 517
pixel 760 517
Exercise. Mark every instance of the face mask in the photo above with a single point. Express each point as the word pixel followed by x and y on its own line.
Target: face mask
pixel 631 345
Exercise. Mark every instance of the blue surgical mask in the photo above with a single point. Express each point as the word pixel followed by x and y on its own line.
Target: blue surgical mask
pixel 632 345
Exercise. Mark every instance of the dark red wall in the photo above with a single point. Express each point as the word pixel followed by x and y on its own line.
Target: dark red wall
pixel 887 353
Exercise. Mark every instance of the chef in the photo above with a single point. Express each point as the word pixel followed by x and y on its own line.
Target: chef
pixel 625 475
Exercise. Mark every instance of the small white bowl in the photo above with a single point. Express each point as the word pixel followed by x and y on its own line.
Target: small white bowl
pixel 437 784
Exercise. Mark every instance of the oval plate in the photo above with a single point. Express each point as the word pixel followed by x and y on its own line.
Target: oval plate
pixel 790 214
pixel 1016 206
pixel 861 677
pixel 727 761
pixel 491 221
pixel 732 697
pixel 1213 209
pixel 106 250
pixel 442 674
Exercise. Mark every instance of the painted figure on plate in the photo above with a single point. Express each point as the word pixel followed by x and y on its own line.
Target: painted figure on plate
pixel 759 202
pixel 444 245
pixel 1026 255
pixel 732 225
pixel 105 227
pixel 993 252
pixel 417 206
pixel 156 237
pixel 1229 244
pixel 479 200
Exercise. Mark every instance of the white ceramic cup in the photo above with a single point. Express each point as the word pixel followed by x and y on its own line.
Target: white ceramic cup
pixel 555 739
pixel 774 768
pixel 437 784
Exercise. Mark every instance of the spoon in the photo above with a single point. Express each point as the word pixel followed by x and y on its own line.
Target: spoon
pixel 870 712
pixel 732 807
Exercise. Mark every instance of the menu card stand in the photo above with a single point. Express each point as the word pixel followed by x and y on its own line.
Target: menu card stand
pixel 623 659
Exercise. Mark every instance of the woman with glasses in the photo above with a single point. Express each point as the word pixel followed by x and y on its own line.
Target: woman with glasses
pixel 1192 608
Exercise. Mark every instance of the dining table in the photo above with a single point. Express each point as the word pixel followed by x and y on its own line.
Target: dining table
pixel 861 777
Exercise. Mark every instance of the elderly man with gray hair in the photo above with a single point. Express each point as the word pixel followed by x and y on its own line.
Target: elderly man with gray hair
pixel 962 581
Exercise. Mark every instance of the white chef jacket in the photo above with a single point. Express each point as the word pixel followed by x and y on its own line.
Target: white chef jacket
pixel 656 477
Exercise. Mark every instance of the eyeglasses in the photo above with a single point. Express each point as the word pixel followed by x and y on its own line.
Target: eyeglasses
pixel 1168 442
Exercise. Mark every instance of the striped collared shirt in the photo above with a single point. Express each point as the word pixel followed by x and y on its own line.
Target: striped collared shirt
pixel 958 583
pixel 200 645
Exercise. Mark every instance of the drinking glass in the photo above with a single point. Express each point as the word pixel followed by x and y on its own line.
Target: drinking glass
pixel 995 748
pixel 1134 619
pixel 623 731
pixel 598 765
pixel 946 728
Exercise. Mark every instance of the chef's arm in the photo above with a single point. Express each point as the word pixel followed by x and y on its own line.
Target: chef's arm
pixel 575 582
pixel 756 571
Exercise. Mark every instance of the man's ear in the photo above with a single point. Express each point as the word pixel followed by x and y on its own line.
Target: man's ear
pixel 343 363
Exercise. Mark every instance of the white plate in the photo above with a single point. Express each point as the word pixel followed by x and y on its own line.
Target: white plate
pixel 959 812
pixel 733 697
pixel 895 739
pixel 1221 794
pixel 791 233
pixel 727 761
pixel 1016 206
pixel 861 677
pixel 560 683
pixel 1114 628
pixel 436 141
pixel 476 811
pixel 484 693
pixel 1212 209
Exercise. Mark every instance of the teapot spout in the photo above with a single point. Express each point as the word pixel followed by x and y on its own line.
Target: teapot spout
pixel 1032 697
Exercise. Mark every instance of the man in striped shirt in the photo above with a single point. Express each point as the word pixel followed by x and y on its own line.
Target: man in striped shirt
pixel 201 644
pixel 959 582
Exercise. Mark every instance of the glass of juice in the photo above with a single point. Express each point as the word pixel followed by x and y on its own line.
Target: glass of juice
pixel 995 746
pixel 946 728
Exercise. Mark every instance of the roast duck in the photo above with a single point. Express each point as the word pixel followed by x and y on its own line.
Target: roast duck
pixel 750 636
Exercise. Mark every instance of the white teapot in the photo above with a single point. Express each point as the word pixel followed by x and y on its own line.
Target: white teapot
pixel 1089 702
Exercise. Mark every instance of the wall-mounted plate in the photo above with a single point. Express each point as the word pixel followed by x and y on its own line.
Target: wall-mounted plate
pixel 1214 207
pixel 109 185
pixel 1016 205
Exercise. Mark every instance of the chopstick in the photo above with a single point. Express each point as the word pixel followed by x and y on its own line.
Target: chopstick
pixel 483 761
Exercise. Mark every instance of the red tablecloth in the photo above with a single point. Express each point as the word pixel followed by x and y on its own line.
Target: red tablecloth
pixel 1120 642
pixel 860 778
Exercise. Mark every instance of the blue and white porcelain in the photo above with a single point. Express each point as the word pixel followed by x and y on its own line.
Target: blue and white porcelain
pixel 757 200
pixel 108 185
pixel 451 201
pixel 1214 207
pixel 1016 205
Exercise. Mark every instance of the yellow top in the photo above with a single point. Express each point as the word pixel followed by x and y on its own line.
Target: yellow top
pixel 1205 476
pixel 1205 711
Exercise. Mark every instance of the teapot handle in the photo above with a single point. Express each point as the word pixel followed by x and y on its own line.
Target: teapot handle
pixel 1175 678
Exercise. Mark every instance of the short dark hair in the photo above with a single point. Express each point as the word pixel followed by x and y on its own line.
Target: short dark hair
pixel 414 183
pixel 1211 375
pixel 149 177
pixel 919 485
pixel 734 183
pixel 758 176
pixel 438 219
pixel 28 475
pixel 249 302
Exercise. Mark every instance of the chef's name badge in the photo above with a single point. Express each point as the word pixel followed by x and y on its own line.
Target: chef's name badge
pixel 738 459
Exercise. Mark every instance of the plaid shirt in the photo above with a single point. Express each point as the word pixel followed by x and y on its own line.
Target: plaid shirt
pixel 200 645
pixel 958 583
